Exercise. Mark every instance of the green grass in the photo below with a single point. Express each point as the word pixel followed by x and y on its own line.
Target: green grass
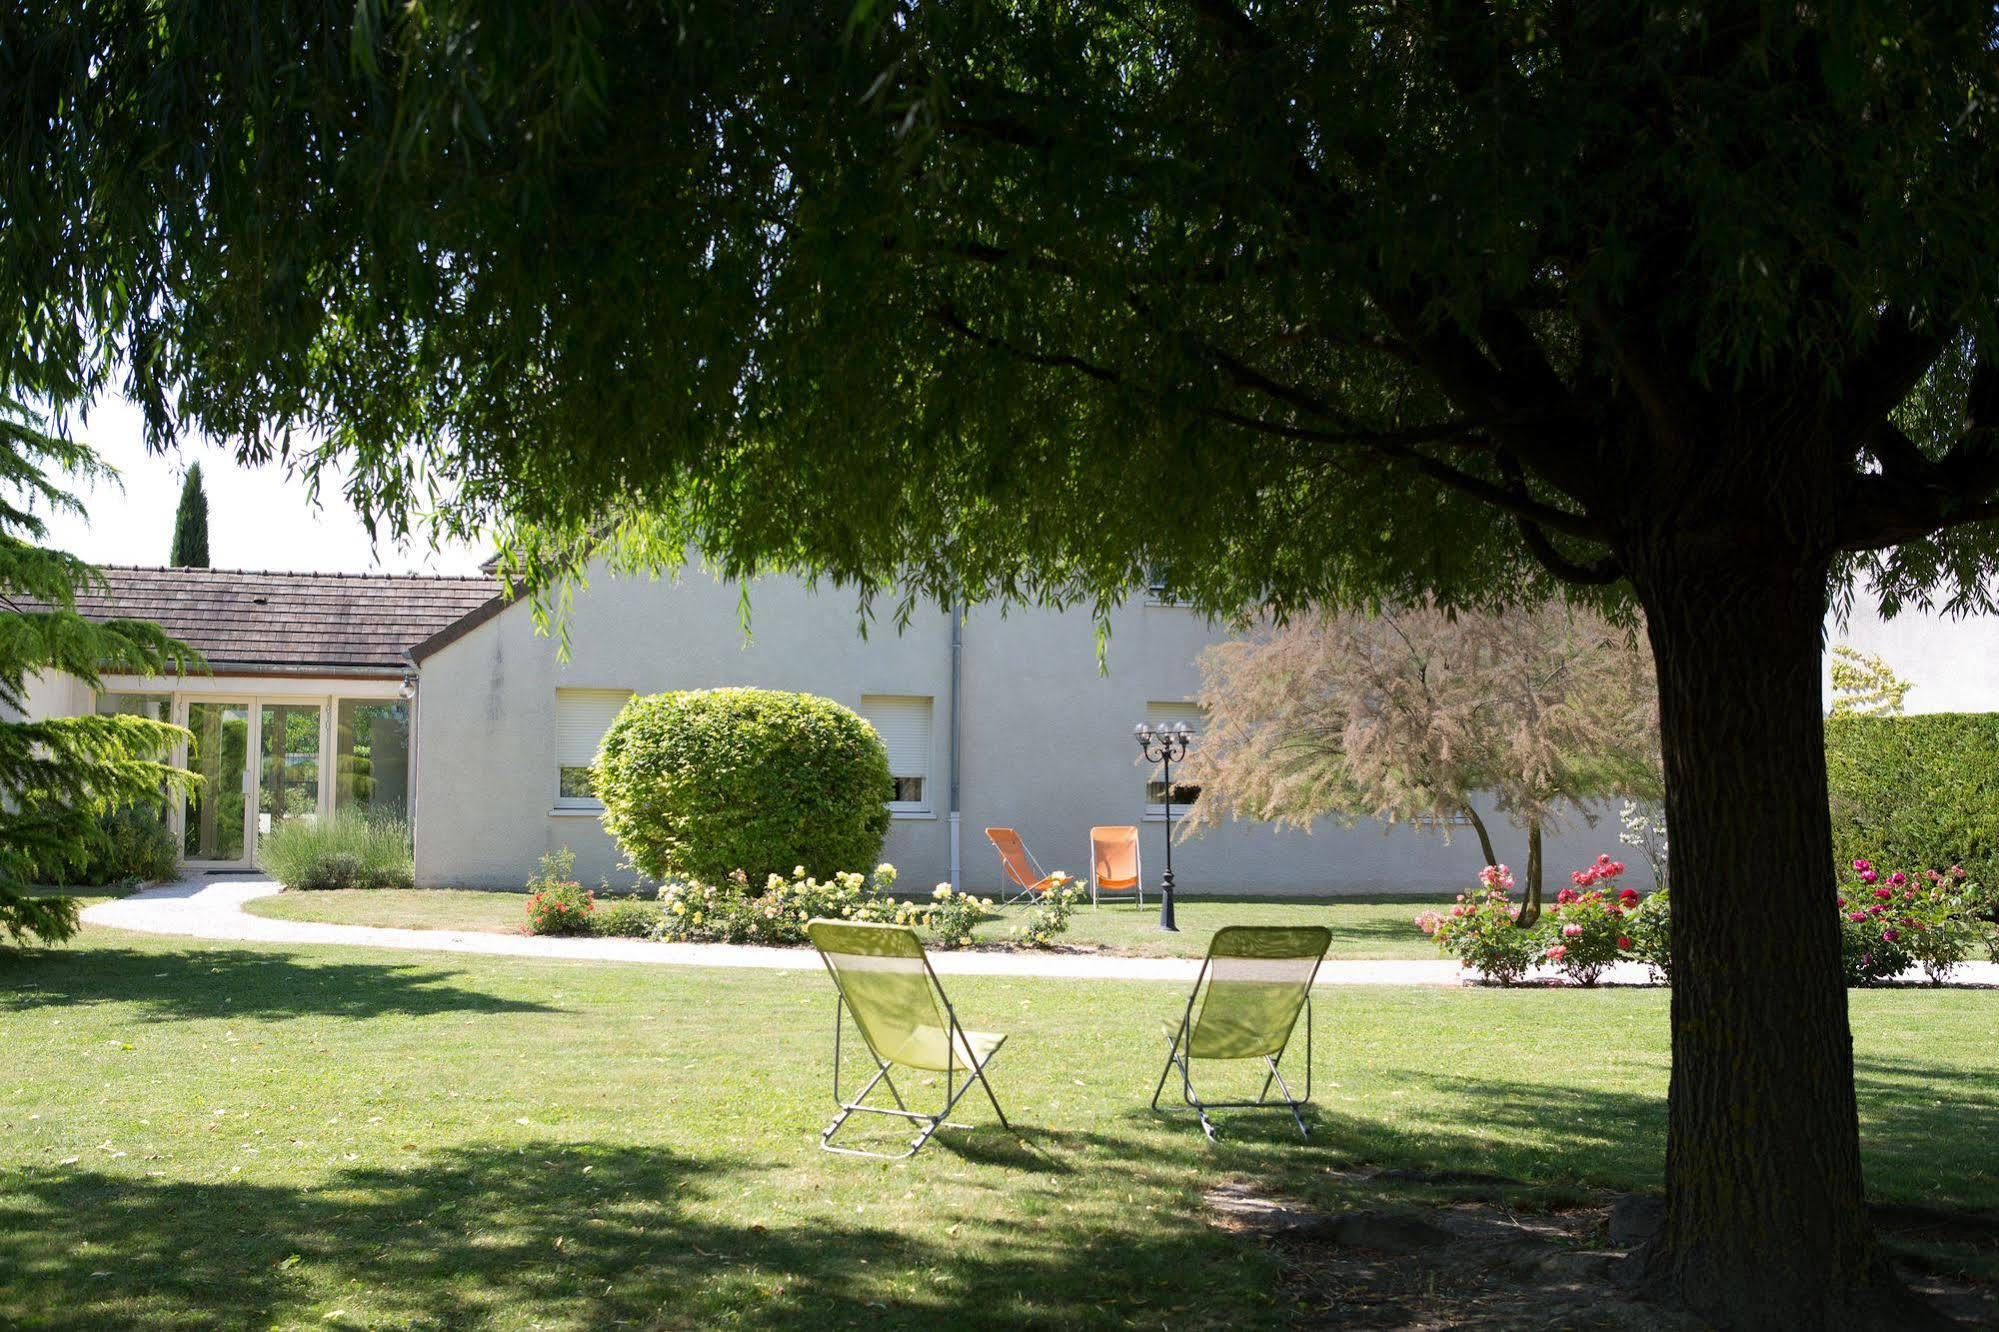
pixel 204 1136
pixel 1363 927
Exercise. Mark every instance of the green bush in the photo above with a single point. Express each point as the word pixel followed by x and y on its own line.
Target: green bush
pixel 131 845
pixel 1918 792
pixel 346 851
pixel 701 784
pixel 627 919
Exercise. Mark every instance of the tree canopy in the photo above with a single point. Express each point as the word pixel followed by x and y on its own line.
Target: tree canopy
pixel 1195 279
pixel 1414 716
pixel 1316 306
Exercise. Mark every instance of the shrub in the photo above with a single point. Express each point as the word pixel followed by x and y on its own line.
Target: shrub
pixel 1048 919
pixel 1650 929
pixel 557 903
pixel 349 850
pixel 1918 792
pixel 1480 931
pixel 701 784
pixel 1892 921
pixel 627 918
pixel 130 845
pixel 734 911
pixel 953 916
pixel 1587 929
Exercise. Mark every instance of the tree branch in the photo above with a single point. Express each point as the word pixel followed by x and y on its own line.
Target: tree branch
pixel 1393 445
pixel 1875 382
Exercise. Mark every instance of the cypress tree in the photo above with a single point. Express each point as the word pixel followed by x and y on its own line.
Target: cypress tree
pixel 191 523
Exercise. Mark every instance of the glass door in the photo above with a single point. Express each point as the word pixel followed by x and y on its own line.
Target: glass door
pixel 288 785
pixel 220 754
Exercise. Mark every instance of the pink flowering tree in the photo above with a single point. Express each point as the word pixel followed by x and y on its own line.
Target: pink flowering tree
pixel 1416 717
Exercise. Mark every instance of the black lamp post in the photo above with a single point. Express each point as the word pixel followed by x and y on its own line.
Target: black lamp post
pixel 1167 745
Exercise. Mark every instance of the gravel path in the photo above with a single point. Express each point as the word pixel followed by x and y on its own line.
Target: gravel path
pixel 212 908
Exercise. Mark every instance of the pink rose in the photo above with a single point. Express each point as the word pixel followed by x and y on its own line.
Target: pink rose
pixel 1861 866
pixel 1557 953
pixel 1883 894
pixel 1889 936
pixel 1572 931
pixel 1898 878
pixel 1868 876
pixel 1857 916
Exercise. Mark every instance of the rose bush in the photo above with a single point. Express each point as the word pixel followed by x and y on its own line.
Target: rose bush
pixel 1048 919
pixel 776 912
pixel 1893 920
pixel 557 903
pixel 1588 928
pixel 1480 930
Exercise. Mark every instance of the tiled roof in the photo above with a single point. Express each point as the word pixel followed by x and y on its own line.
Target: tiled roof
pixel 250 618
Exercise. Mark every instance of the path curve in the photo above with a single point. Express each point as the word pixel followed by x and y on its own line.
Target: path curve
pixel 211 907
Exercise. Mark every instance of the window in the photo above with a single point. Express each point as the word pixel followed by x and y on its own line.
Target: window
pixel 581 718
pixel 903 722
pixel 371 757
pixel 1159 714
pixel 1159 587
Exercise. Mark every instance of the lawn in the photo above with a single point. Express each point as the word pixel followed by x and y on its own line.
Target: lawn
pixel 1363 927
pixel 207 1135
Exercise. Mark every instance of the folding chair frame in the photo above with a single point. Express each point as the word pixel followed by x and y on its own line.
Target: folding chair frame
pixel 953 1090
pixel 1177 1054
pixel 1022 892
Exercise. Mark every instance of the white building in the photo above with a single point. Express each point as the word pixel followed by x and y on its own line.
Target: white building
pixel 435 698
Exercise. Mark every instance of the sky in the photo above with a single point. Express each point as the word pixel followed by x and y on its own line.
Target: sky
pixel 258 517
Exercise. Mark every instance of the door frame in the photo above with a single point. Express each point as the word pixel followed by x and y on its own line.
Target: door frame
pixel 252 743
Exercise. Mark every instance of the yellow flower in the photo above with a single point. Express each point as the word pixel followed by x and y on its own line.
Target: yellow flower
pixel 942 892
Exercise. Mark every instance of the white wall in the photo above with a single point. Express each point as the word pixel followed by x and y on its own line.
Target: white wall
pixel 53 694
pixel 1953 664
pixel 1047 743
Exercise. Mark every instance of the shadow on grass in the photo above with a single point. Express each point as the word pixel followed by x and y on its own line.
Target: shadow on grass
pixel 225 983
pixel 498 1235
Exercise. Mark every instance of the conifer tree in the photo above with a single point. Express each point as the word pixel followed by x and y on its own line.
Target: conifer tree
pixel 59 777
pixel 191 523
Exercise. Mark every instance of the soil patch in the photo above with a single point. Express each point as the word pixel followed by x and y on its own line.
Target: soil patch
pixel 1484 1264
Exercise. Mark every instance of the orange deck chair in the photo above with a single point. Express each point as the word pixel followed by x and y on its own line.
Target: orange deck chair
pixel 1114 862
pixel 1017 866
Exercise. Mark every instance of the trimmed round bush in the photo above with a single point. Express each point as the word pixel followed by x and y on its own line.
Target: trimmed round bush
pixel 703 783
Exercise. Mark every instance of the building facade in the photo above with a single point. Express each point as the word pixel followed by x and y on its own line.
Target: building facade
pixel 437 700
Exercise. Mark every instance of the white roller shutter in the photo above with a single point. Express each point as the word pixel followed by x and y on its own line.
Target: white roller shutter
pixel 903 721
pixel 1172 714
pixel 581 718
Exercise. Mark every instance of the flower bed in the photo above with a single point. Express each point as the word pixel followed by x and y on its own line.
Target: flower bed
pixel 1890 922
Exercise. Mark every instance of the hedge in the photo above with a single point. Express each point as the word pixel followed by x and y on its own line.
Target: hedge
pixel 1916 793
pixel 702 783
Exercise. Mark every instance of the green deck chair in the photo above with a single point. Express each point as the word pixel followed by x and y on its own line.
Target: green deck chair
pixel 885 982
pixel 1245 1005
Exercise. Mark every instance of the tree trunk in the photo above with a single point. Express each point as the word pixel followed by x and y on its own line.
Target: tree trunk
pixel 1530 909
pixel 1766 1222
pixel 1484 837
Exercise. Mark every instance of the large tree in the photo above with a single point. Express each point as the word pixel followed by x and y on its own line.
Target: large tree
pixel 61 777
pixel 1315 305
pixel 1414 716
